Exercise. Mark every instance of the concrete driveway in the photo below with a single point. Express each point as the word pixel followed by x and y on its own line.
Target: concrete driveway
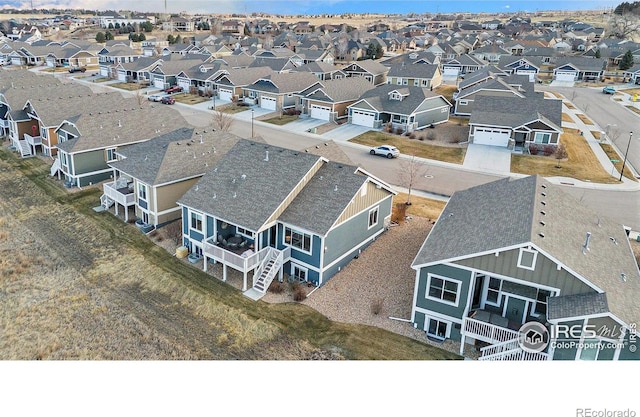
pixel 345 132
pixel 556 83
pixel 487 158
pixel 304 124
pixel 257 112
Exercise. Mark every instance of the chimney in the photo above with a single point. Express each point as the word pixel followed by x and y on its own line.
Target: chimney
pixel 585 248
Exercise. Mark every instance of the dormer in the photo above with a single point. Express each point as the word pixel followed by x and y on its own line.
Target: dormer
pixel 398 95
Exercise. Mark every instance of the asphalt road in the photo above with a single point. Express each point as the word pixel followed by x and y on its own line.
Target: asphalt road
pixel 622 206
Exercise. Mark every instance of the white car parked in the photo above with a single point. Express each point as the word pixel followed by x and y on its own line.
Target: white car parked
pixel 386 150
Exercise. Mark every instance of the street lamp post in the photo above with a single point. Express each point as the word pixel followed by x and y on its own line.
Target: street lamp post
pixel 625 155
pixel 214 100
pixel 251 123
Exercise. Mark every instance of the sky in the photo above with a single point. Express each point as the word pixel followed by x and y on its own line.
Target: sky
pixel 294 7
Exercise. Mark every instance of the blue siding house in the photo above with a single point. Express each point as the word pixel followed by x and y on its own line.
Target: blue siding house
pixel 265 210
pixel 552 281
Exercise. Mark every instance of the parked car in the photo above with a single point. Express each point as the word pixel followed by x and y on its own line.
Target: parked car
pixel 168 100
pixel 77 69
pixel 385 150
pixel 156 97
pixel 609 90
pixel 173 89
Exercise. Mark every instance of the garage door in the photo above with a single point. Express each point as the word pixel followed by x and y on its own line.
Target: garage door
pixel 122 76
pixel 226 94
pixel 158 83
pixel 565 75
pixel 362 118
pixel 268 103
pixel 185 84
pixel 319 112
pixel 494 137
pixel 451 71
pixel 531 74
pixel 104 71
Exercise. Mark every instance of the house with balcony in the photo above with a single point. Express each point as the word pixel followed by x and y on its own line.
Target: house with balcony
pixel 403 108
pixel 89 141
pixel 150 176
pixel 555 262
pixel 265 211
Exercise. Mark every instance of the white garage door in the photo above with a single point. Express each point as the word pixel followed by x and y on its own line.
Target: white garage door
pixel 319 112
pixel 362 118
pixel 268 103
pixel 565 75
pixel 104 71
pixel 494 137
pixel 158 83
pixel 185 84
pixel 122 76
pixel 530 73
pixel 225 94
pixel 451 71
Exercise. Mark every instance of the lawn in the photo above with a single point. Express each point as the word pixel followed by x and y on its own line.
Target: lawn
pixel 631 91
pixel 94 288
pixel 231 108
pixel 459 120
pixel 584 119
pixel 613 156
pixel 633 109
pixel 581 163
pixel 412 147
pixel 281 120
pixel 189 98
pixel 126 86
pixel 446 91
pixel 420 206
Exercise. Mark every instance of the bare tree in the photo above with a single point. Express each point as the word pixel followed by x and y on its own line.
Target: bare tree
pixel 410 170
pixel 174 231
pixel 343 46
pixel 267 44
pixel 624 26
pixel 222 121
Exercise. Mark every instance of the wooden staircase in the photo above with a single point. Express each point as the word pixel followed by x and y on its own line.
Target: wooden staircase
pixel 106 202
pixel 267 270
pixel 24 148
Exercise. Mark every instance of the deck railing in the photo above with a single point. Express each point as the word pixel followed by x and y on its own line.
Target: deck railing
pixel 235 261
pixel 487 332
pixel 126 200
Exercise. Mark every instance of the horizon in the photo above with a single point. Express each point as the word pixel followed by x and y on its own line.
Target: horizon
pixel 329 7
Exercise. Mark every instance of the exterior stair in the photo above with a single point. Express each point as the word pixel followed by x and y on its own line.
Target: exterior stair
pixel 510 350
pixel 106 202
pixel 267 270
pixel 24 148
pixel 55 167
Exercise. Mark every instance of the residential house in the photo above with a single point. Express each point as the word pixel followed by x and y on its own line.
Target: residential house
pixel 135 71
pixel 419 75
pixel 150 177
pixel 556 262
pixel 495 85
pixel 402 108
pixel 165 73
pixel 110 56
pixel 372 71
pixel 329 100
pixel 518 123
pixel 179 24
pixel 230 86
pixel 87 142
pixel 578 69
pixel 312 218
pixel 277 91
pixel 490 53
pixel 463 64
pixel 529 66
pixel 323 71
pixel 232 27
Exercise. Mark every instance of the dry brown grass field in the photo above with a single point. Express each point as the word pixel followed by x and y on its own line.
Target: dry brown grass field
pixel 75 284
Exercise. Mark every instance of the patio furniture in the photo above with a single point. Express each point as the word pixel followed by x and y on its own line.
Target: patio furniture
pixel 235 240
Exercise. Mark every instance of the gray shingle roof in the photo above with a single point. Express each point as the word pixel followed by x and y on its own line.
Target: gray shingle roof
pixel 516 111
pixel 249 202
pixel 582 63
pixel 413 70
pixel 288 82
pixel 339 90
pixel 470 224
pixel 576 305
pixel 379 98
pixel 183 153
pixel 323 199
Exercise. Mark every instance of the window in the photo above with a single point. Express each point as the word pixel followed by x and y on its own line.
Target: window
pixel 299 273
pixel 590 350
pixel 425 83
pixel 142 191
pixel 527 259
pixel 442 289
pixel 399 82
pixel 444 110
pixel 111 155
pixel 373 217
pixel 196 221
pixel 437 328
pixel 541 302
pixel 63 159
pixel 493 291
pixel 544 138
pixel 243 231
pixel 297 239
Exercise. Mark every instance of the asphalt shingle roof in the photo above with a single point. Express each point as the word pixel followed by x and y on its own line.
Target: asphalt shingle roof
pixel 379 98
pixel 270 174
pixel 339 90
pixel 516 111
